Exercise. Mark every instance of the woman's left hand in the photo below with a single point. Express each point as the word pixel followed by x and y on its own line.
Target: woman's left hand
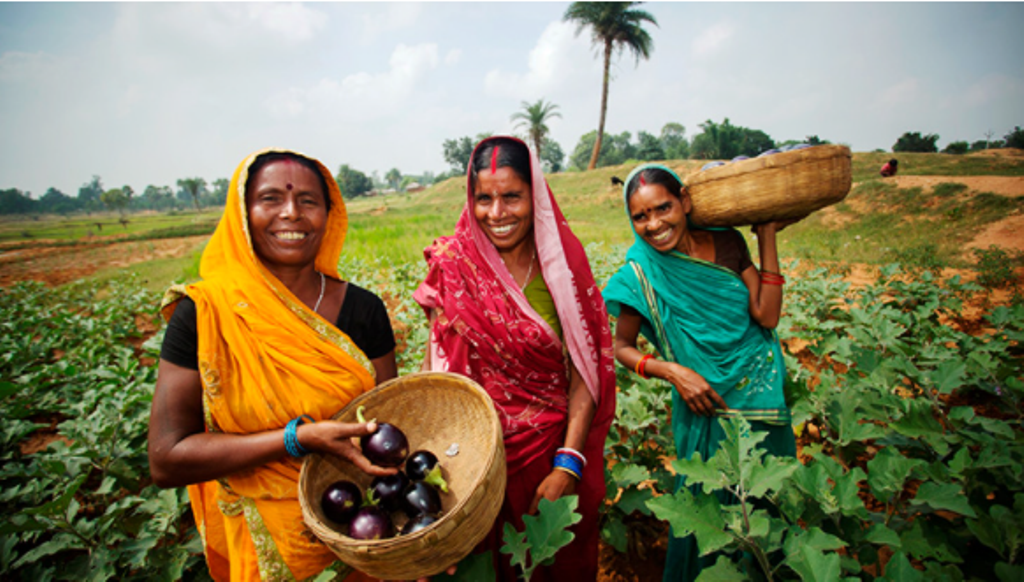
pixel 556 485
pixel 775 225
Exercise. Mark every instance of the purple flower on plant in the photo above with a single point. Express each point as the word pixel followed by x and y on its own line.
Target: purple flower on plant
pixel 999 390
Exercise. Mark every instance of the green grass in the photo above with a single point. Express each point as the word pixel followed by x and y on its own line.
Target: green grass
pixel 876 224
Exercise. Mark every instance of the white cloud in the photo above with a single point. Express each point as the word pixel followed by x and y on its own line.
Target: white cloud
pixel 906 91
pixel 453 57
pixel 556 61
pixel 396 16
pixel 360 93
pixel 991 89
pixel 20 67
pixel 712 40
pixel 291 21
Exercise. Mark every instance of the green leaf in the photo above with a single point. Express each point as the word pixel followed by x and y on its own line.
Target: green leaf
pixel 887 472
pixel 615 533
pixel 627 474
pixel 635 500
pixel 923 543
pixel 881 534
pixel 723 571
pixel 1009 573
pixel 812 564
pixel 711 473
pixel 7 388
pixel 515 545
pixel 60 543
pixel 948 496
pixel 898 569
pixel 771 475
pixel 701 516
pixel 545 533
pixel 472 568
pixel 948 376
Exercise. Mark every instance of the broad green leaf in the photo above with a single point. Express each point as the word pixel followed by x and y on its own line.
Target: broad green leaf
pixel 882 535
pixel 812 564
pixel 701 516
pixel 771 474
pixel 515 545
pixel 813 537
pixel 472 568
pixel 724 570
pixel 898 569
pixel 947 496
pixel 635 500
pixel 7 388
pixel 948 376
pixel 922 543
pixel 711 473
pixel 1009 572
pixel 60 543
pixel 626 474
pixel 887 472
pixel 548 531
pixel 615 533
pixel 988 532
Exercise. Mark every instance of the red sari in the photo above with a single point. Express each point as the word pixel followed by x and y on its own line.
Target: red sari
pixel 486 330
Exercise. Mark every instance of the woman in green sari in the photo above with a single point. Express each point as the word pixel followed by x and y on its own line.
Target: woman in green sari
pixel 710 313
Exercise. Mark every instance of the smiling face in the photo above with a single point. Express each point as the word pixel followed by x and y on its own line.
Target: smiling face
pixel 659 217
pixel 503 207
pixel 287 214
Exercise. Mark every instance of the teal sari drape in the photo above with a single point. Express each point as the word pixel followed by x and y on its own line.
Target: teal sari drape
pixel 697 314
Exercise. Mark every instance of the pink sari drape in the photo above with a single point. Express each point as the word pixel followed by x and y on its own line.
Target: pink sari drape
pixel 486 330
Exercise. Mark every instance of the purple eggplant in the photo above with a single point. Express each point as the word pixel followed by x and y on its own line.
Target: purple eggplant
pixel 421 498
pixel 387 490
pixel 767 153
pixel 385 447
pixel 417 523
pixel 341 500
pixel 423 466
pixel 371 523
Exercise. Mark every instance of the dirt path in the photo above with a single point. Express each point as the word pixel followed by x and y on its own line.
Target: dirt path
pixel 60 265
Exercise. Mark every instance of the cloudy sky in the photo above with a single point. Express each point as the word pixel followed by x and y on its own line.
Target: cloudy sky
pixel 146 93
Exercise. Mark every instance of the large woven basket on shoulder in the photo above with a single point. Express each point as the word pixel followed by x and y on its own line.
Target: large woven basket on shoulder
pixel 435 411
pixel 775 187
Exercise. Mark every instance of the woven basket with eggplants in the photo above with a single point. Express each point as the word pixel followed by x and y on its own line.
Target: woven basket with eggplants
pixel 780 186
pixel 454 418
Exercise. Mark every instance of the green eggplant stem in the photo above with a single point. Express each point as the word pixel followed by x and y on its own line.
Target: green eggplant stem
pixel 434 478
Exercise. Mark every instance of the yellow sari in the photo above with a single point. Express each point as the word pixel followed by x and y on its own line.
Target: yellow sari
pixel 264 359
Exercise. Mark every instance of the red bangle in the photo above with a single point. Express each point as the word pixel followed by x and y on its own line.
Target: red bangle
pixel 770 278
pixel 639 368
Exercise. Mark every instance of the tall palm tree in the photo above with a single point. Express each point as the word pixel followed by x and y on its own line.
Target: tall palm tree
pixel 615 25
pixel 534 116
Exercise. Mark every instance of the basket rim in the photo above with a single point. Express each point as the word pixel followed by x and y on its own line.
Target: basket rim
pixel 321 529
pixel 780 160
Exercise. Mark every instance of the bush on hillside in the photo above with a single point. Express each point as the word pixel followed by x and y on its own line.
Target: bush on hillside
pixel 956 147
pixel 1015 139
pixel 915 142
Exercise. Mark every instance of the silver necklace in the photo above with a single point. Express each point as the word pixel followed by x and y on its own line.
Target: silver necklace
pixel 323 285
pixel 530 270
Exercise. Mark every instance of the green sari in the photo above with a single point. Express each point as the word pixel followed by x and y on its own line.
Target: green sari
pixel 697 314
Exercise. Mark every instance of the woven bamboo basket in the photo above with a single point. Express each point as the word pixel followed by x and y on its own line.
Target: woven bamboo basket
pixel 435 410
pixel 777 187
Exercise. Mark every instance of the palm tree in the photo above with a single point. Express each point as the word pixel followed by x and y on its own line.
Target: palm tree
pixel 534 116
pixel 614 26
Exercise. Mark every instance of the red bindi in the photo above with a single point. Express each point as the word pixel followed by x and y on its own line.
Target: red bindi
pixel 289 185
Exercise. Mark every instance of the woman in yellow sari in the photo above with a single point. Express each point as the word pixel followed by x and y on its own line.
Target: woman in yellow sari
pixel 258 356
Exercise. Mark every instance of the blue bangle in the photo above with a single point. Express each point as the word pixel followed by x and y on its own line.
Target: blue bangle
pixel 569 464
pixel 291 438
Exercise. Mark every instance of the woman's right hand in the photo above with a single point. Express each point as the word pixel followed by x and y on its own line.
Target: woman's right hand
pixel 338 438
pixel 694 390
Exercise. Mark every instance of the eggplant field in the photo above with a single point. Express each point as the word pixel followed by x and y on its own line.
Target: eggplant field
pixel 906 393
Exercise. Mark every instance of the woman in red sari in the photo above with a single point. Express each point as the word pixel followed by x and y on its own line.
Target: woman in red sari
pixel 513 305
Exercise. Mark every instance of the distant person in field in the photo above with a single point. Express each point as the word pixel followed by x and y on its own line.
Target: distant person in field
pixel 710 313
pixel 513 305
pixel 257 357
pixel 889 169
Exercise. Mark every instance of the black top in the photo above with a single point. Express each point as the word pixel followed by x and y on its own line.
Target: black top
pixel 731 250
pixel 363 318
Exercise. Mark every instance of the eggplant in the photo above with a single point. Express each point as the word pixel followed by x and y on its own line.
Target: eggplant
pixel 710 165
pixel 371 523
pixel 341 500
pixel 417 523
pixel 423 466
pixel 421 498
pixel 387 490
pixel 767 153
pixel 385 447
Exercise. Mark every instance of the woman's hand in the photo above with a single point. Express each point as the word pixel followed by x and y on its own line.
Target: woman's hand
pixel 693 389
pixel 338 438
pixel 556 485
pixel 774 226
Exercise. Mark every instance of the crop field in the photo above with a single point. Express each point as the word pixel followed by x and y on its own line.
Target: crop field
pixel 903 331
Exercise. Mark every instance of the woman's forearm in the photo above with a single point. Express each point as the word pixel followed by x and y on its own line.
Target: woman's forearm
pixel 766 300
pixel 581 412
